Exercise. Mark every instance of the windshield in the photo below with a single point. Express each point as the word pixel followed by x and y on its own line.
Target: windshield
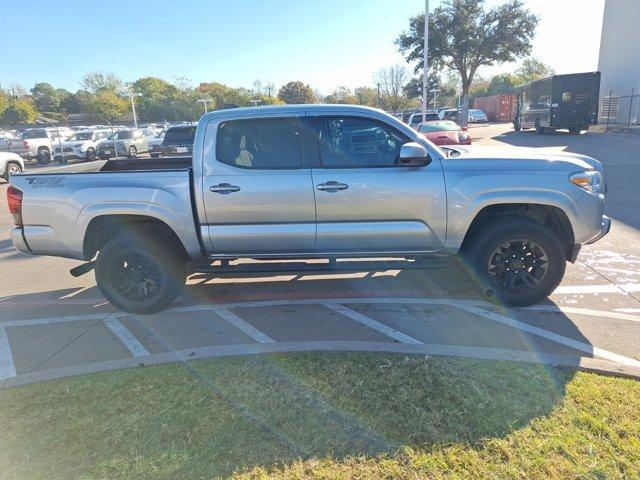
pixel 180 135
pixel 121 135
pixel 440 126
pixel 81 136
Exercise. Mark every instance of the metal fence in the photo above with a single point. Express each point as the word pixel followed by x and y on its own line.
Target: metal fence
pixel 620 109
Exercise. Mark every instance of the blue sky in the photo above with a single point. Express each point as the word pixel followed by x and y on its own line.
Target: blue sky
pixel 324 43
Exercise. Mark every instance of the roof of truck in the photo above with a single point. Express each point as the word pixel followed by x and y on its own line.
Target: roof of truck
pixel 289 108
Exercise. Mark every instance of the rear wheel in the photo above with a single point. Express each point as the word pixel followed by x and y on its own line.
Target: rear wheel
pixel 132 152
pixel 516 260
pixel 139 274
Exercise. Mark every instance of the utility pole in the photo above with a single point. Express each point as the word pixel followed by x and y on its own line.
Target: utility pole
pixel 434 91
pixel 205 101
pixel 426 65
pixel 379 99
pixel 133 106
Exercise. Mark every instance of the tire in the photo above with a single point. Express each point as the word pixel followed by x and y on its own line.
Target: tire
pixel 139 274
pixel 91 154
pixel 132 152
pixel 516 126
pixel 12 168
pixel 44 156
pixel 506 278
pixel 575 130
pixel 539 129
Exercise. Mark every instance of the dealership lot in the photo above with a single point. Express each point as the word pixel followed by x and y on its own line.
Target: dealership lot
pixel 54 325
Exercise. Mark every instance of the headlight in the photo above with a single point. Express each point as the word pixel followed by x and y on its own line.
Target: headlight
pixel 591 180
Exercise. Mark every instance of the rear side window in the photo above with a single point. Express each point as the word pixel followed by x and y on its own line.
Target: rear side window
pixel 180 135
pixel 34 134
pixel 272 143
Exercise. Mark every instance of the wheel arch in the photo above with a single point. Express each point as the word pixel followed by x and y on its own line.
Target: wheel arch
pixel 551 216
pixel 104 227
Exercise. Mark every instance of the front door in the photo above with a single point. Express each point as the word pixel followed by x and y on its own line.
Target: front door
pixel 257 189
pixel 367 203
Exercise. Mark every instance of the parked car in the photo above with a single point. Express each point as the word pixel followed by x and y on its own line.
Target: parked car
pixel 444 132
pixel 449 114
pixel 15 145
pixel 127 143
pixel 155 145
pixel 81 145
pixel 10 164
pixel 416 118
pixel 40 143
pixel 477 116
pixel 178 141
pixel 406 115
pixel 323 181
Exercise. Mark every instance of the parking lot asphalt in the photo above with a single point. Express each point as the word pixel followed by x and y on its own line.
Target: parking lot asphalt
pixel 53 325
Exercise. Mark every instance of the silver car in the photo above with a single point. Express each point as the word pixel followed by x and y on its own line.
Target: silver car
pixel 124 143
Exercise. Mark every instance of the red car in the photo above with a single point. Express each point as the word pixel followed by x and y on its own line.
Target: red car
pixel 444 132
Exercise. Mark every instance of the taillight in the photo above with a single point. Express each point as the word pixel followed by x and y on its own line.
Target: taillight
pixel 14 199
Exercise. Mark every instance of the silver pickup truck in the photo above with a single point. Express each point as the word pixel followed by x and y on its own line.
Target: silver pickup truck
pixel 313 182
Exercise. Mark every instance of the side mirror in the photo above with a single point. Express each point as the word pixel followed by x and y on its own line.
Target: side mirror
pixel 413 154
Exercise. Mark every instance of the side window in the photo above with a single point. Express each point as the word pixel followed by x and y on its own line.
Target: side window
pixel 269 143
pixel 348 142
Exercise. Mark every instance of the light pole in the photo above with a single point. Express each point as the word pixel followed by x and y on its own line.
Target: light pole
pixel 205 101
pixel 133 106
pixel 426 66
pixel 434 91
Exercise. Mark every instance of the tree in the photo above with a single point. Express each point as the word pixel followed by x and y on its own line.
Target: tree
pixel 45 97
pixel 366 96
pixel 296 92
pixel 95 82
pixel 106 105
pixel 341 95
pixel 391 81
pixel 463 36
pixel 5 100
pixel 21 110
pixel 533 69
pixel 154 104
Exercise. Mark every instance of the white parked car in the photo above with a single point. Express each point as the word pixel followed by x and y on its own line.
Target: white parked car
pixel 477 116
pixel 10 164
pixel 81 145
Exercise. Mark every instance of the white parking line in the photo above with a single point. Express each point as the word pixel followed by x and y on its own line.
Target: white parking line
pixel 371 323
pixel 584 311
pixel 624 288
pixel 126 337
pixel 243 325
pixel 7 368
pixel 540 332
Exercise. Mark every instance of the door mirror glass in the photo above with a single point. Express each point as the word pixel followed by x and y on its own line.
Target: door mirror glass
pixel 413 154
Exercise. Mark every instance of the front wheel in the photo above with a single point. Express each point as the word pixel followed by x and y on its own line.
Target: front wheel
pixel 132 152
pixel 139 274
pixel 516 260
pixel 91 154
pixel 44 156
pixel 12 169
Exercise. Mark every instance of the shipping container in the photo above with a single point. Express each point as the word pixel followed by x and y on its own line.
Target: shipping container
pixel 499 108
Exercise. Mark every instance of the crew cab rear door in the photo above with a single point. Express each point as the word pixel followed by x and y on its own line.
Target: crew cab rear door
pixel 365 201
pixel 257 190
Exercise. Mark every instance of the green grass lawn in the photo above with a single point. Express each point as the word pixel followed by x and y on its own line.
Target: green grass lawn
pixel 364 416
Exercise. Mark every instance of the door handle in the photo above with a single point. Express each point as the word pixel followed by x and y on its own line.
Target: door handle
pixel 332 186
pixel 224 188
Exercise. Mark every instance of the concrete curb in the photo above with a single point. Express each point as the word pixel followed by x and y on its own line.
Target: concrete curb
pixel 580 363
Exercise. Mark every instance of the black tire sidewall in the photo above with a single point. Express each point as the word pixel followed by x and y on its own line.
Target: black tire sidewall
pixel 88 157
pixel 44 156
pixel 500 232
pixel 170 268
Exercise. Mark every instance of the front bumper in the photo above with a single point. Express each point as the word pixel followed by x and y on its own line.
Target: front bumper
pixel 604 229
